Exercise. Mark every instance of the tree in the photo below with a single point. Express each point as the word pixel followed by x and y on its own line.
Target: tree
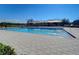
pixel 76 22
pixel 30 22
pixel 65 22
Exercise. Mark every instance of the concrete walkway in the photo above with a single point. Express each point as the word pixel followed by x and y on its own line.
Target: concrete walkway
pixel 33 44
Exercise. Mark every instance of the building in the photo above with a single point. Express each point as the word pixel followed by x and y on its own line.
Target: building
pixel 45 23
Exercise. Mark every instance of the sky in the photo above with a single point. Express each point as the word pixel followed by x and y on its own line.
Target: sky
pixel 22 12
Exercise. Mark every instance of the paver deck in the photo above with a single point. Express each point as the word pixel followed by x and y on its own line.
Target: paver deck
pixel 33 44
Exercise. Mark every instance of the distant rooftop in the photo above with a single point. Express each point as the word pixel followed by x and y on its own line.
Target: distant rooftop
pixel 50 21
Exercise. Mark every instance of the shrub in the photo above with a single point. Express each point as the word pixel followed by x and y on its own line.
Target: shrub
pixel 6 50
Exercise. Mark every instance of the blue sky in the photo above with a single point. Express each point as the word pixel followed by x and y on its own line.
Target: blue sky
pixel 22 12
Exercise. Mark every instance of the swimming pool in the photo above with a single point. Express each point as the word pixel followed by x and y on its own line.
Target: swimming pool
pixel 42 31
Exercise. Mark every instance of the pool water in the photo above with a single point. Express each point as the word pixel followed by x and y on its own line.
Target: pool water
pixel 42 31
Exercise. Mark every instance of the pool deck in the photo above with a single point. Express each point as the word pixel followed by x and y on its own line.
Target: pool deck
pixel 33 44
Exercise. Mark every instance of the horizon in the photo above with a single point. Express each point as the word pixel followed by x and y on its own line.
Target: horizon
pixel 22 12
